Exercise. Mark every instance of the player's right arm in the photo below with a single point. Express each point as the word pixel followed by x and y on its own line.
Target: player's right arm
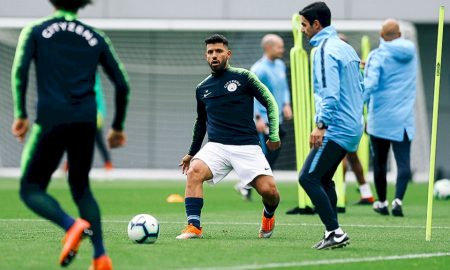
pixel 199 128
pixel 115 70
pixel 197 136
pixel 19 80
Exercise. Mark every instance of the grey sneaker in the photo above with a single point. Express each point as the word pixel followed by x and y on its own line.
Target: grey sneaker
pixel 381 208
pixel 397 208
pixel 334 241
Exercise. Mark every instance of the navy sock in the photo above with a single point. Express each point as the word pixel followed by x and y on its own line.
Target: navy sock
pixel 193 210
pixel 269 211
pixel 67 222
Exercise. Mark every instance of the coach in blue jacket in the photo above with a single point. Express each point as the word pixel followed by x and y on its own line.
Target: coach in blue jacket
pixel 390 90
pixel 338 88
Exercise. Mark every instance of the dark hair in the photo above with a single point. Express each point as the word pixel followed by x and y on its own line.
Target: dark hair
pixel 216 38
pixel 317 11
pixel 70 5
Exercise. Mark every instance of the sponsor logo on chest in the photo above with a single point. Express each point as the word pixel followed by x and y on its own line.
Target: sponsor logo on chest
pixel 232 85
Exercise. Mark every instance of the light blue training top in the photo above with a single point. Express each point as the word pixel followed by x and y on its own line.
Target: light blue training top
pixel 273 75
pixel 338 89
pixel 390 89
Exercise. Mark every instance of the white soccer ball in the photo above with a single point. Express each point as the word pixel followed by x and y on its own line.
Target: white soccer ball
pixel 442 189
pixel 143 229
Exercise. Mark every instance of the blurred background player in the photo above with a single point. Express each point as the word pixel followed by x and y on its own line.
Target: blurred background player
pixel 271 71
pixel 226 99
pixel 366 197
pixel 101 116
pixel 390 90
pixel 66 53
pixel 339 122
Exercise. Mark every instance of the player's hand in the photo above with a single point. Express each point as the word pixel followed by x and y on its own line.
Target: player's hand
pixel 116 138
pixel 362 64
pixel 287 112
pixel 316 137
pixel 272 146
pixel 184 164
pixel 19 128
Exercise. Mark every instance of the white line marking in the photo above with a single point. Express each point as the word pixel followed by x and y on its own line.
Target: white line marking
pixel 6 220
pixel 325 262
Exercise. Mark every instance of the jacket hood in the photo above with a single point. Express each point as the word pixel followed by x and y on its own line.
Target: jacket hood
pixel 401 49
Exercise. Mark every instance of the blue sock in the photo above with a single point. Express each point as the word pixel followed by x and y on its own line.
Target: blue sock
pixel 67 222
pixel 193 210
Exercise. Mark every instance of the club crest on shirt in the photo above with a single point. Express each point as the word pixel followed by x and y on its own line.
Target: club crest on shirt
pixel 232 85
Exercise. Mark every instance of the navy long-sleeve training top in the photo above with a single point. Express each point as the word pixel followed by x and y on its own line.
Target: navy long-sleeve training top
pixel 225 102
pixel 66 53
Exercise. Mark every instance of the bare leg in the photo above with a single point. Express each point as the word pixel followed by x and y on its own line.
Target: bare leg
pixel 265 186
pixel 198 173
pixel 356 168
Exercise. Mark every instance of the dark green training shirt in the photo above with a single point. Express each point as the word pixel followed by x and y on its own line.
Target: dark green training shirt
pixel 66 54
pixel 225 109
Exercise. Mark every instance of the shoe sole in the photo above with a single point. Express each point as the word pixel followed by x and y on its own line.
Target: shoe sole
pixel 381 213
pixel 340 245
pixel 395 214
pixel 265 234
pixel 180 237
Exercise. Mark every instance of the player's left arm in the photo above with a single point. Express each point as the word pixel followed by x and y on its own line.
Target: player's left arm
pixel 329 82
pixel 116 72
pixel 263 95
pixel 25 52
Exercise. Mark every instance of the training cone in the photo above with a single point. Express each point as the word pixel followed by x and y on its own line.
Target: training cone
pixel 175 198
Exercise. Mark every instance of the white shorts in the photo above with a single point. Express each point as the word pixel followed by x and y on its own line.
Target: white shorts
pixel 248 161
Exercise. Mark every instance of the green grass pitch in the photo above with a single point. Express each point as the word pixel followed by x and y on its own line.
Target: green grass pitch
pixel 230 231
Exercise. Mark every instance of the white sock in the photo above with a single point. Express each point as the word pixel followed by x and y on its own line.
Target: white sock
pixel 337 231
pixel 385 203
pixel 397 201
pixel 365 191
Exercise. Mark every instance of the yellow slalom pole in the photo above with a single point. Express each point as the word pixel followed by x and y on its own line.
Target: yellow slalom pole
pixel 363 149
pixel 437 82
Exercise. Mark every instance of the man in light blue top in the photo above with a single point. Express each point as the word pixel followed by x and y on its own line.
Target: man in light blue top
pixel 338 87
pixel 271 71
pixel 390 90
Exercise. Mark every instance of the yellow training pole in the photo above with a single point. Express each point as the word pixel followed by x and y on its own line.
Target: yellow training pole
pixel 437 82
pixel 363 149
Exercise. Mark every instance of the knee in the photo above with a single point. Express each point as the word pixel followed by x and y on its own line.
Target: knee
pixel 27 190
pixel 270 191
pixel 304 179
pixel 24 192
pixel 196 173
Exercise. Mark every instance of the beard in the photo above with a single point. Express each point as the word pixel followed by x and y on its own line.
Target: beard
pixel 219 67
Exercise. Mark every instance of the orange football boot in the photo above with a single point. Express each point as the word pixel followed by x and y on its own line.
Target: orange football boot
pixel 101 263
pixel 72 239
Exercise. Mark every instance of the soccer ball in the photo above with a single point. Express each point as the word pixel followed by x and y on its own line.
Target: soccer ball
pixel 143 229
pixel 442 189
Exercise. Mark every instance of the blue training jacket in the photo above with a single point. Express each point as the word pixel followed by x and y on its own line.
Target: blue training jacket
pixel 338 89
pixel 390 89
pixel 273 75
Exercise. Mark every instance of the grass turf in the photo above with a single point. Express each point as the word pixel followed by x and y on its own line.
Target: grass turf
pixel 230 231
